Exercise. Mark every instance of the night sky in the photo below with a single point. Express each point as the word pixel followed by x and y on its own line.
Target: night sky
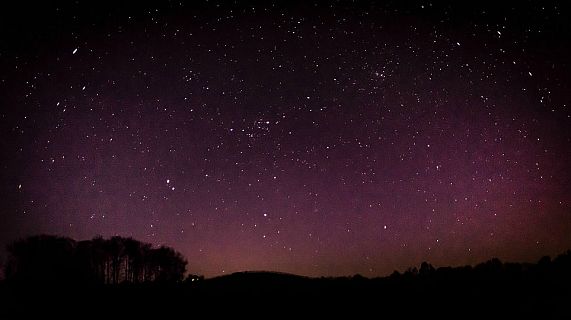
pixel 318 138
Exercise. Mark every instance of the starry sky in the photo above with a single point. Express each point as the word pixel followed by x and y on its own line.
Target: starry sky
pixel 316 138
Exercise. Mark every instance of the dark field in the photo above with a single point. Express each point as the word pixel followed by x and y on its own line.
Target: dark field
pixel 489 290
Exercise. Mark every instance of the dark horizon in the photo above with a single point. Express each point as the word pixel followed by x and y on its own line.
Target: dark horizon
pixel 41 260
pixel 313 138
pixel 60 276
pixel 190 272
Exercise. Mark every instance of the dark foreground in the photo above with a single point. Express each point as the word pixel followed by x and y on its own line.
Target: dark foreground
pixel 58 277
pixel 487 291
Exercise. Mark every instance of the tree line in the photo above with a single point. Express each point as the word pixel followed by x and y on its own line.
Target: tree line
pixel 117 260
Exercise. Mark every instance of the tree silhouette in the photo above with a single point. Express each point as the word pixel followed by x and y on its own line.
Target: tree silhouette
pixel 41 259
pixel 426 269
pixel 52 259
pixel 134 260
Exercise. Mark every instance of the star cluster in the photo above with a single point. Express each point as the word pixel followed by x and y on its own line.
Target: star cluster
pixel 314 138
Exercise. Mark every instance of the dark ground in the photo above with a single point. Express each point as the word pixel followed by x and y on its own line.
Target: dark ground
pixel 523 292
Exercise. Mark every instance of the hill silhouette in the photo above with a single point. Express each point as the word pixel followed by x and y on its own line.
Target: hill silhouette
pixel 50 270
